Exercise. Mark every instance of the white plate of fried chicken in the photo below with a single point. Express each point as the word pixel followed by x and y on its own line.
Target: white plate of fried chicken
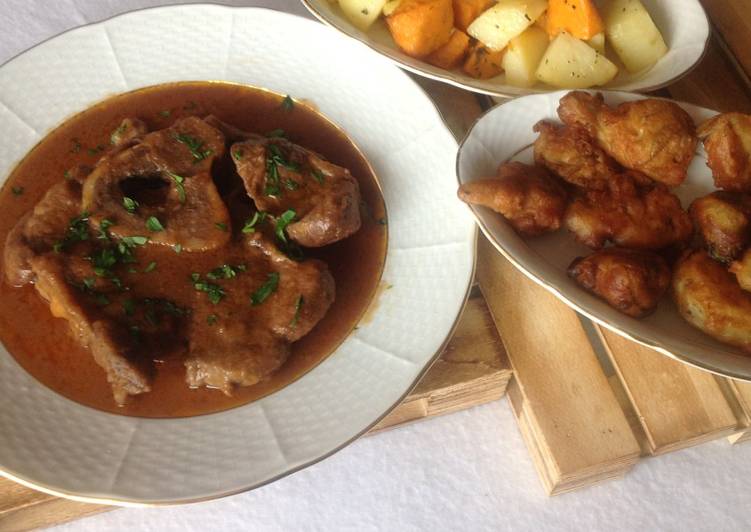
pixel 632 210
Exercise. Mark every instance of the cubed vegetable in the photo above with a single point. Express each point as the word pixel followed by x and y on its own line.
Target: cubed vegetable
pixel 523 56
pixel 570 63
pixel 451 54
pixel 482 62
pixel 633 35
pixel 579 18
pixel 420 27
pixel 505 20
pixel 362 13
pixel 466 11
pixel 598 42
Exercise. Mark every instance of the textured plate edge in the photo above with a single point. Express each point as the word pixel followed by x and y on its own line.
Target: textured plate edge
pixel 450 79
pixel 657 346
pixel 116 501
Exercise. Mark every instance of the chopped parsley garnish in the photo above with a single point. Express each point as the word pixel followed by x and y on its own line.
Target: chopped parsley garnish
pixel 195 146
pixel 165 113
pixel 317 175
pixel 237 155
pixel 78 231
pixel 153 224
pixel 150 267
pixel 211 319
pixel 179 180
pixel 89 282
pixel 177 248
pixel 225 271
pixel 382 221
pixel 298 306
pixel 288 103
pixel 256 219
pixel 129 307
pixel 17 191
pixel 104 225
pixel 266 289
pixel 276 133
pixel 221 226
pixel 130 204
pixel 95 150
pixel 290 184
pixel 67 175
pixel 274 159
pixel 75 145
pixel 131 241
pixel 282 222
pixel 101 300
pixel 214 291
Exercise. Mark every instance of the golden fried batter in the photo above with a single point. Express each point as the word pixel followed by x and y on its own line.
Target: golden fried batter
pixel 632 212
pixel 727 140
pixel 531 199
pixel 710 299
pixel 724 222
pixel 653 136
pixel 742 270
pixel 570 153
pixel 629 280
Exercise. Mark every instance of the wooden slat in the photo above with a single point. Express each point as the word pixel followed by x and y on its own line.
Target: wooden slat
pixel 568 413
pixel 742 393
pixel 731 19
pixel 677 405
pixel 472 370
pixel 714 84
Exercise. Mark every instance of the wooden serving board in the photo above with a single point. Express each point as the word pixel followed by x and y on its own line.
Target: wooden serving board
pixel 589 403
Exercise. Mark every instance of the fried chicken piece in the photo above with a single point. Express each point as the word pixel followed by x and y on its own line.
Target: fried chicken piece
pixel 632 212
pixel 571 154
pixel 629 280
pixel 655 137
pixel 531 199
pixel 724 222
pixel 727 140
pixel 710 299
pixel 741 268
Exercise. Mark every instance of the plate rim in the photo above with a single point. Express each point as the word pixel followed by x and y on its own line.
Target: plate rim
pixel 547 285
pixel 450 79
pixel 471 243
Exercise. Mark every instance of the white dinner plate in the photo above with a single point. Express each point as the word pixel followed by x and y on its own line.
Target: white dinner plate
pixel 683 24
pixel 59 446
pixel 505 132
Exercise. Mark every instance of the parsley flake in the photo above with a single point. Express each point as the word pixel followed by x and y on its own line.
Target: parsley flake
pixel 195 146
pixel 257 218
pixel 288 103
pixel 179 180
pixel 266 289
pixel 211 319
pixel 221 226
pixel 153 224
pixel 298 306
pixel 150 268
pixel 282 222
pixel 17 191
pixel 130 204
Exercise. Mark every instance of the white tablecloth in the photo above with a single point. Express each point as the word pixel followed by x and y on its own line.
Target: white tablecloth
pixel 466 471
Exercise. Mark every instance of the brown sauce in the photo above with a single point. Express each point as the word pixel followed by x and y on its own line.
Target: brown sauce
pixel 43 344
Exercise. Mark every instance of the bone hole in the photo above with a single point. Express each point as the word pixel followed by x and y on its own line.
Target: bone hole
pixel 149 190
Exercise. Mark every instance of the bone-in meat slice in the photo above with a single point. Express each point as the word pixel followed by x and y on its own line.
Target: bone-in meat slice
pixel 168 174
pixel 262 302
pixel 281 176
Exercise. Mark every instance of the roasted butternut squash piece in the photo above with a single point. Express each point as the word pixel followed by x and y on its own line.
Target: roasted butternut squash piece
pixel 466 11
pixel 450 54
pixel 420 27
pixel 579 18
pixel 482 62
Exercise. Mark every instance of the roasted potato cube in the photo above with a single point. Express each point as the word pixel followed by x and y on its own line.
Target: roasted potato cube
pixel 572 64
pixel 505 20
pixel 466 11
pixel 451 54
pixel 420 27
pixel 362 13
pixel 523 57
pixel 633 34
pixel 724 222
pixel 483 63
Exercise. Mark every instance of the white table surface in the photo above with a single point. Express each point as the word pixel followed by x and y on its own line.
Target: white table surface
pixel 466 471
